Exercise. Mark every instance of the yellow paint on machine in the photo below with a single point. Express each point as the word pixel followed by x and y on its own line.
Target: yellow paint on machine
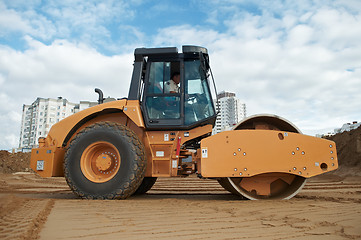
pixel 246 153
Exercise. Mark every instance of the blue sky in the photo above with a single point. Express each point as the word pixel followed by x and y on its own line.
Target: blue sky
pixel 298 59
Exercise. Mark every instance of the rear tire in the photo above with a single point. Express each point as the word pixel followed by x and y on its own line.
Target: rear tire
pixel 105 160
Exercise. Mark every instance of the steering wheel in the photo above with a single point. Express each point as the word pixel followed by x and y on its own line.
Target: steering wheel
pixel 193 96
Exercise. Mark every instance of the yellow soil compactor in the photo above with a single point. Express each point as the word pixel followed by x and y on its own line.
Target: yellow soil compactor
pixel 119 148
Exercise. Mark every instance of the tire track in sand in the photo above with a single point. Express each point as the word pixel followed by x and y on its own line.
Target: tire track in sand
pixel 23 218
pixel 191 208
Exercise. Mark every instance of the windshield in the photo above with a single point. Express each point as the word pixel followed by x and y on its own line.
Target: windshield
pixel 198 101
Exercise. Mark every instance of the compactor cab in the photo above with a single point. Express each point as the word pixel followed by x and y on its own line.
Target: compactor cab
pixel 191 105
pixel 163 129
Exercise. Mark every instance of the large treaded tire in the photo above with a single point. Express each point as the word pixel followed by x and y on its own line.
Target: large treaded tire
pixel 128 176
pixel 146 185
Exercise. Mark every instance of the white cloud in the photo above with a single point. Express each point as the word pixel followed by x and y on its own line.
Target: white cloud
pixel 62 63
pixel 184 35
pixel 8 16
pixel 60 69
pixel 213 17
pixel 27 21
pixel 2 79
pixel 337 28
pixel 86 21
pixel 300 35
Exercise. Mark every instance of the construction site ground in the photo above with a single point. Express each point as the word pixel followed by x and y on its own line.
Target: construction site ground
pixel 328 207
pixel 178 208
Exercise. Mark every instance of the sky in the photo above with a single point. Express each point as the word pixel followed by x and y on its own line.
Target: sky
pixel 300 60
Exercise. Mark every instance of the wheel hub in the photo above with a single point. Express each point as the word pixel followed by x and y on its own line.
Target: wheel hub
pixel 106 161
pixel 103 162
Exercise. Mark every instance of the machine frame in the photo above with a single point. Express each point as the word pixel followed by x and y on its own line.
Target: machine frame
pixel 264 156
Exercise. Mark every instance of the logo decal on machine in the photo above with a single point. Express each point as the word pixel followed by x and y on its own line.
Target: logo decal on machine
pixel 204 152
pixel 166 137
pixel 40 165
pixel 159 153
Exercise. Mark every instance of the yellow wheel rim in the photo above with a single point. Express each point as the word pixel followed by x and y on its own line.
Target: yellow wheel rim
pixel 100 162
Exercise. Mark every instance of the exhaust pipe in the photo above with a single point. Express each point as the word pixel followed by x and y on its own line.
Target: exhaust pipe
pixel 100 92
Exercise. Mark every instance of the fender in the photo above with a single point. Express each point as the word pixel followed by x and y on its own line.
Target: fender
pixel 248 153
pixel 61 132
pixel 50 155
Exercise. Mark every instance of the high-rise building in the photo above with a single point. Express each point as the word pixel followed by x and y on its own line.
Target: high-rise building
pixel 230 111
pixel 39 117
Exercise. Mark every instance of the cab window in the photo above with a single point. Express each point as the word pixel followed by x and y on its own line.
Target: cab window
pixel 198 102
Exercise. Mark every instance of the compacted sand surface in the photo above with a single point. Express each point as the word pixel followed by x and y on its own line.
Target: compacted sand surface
pixel 178 208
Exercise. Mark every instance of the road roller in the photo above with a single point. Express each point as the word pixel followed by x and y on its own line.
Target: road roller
pixel 164 129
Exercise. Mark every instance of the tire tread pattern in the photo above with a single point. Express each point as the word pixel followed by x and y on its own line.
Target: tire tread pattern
pixel 138 170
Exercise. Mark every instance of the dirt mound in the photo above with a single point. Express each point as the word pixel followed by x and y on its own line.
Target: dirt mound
pixel 348 146
pixel 14 162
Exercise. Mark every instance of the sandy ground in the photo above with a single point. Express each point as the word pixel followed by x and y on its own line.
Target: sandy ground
pixel 328 207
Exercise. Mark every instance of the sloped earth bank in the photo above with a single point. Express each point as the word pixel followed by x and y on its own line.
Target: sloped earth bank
pixel 329 207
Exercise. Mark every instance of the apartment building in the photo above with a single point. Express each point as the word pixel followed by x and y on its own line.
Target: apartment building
pixel 39 117
pixel 231 111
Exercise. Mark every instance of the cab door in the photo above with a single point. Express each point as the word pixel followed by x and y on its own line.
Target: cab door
pixel 162 109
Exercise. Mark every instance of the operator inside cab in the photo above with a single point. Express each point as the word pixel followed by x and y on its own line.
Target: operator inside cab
pixel 172 86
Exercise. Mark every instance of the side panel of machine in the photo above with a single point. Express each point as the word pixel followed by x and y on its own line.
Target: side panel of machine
pixel 47 161
pixel 247 153
pixel 164 151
